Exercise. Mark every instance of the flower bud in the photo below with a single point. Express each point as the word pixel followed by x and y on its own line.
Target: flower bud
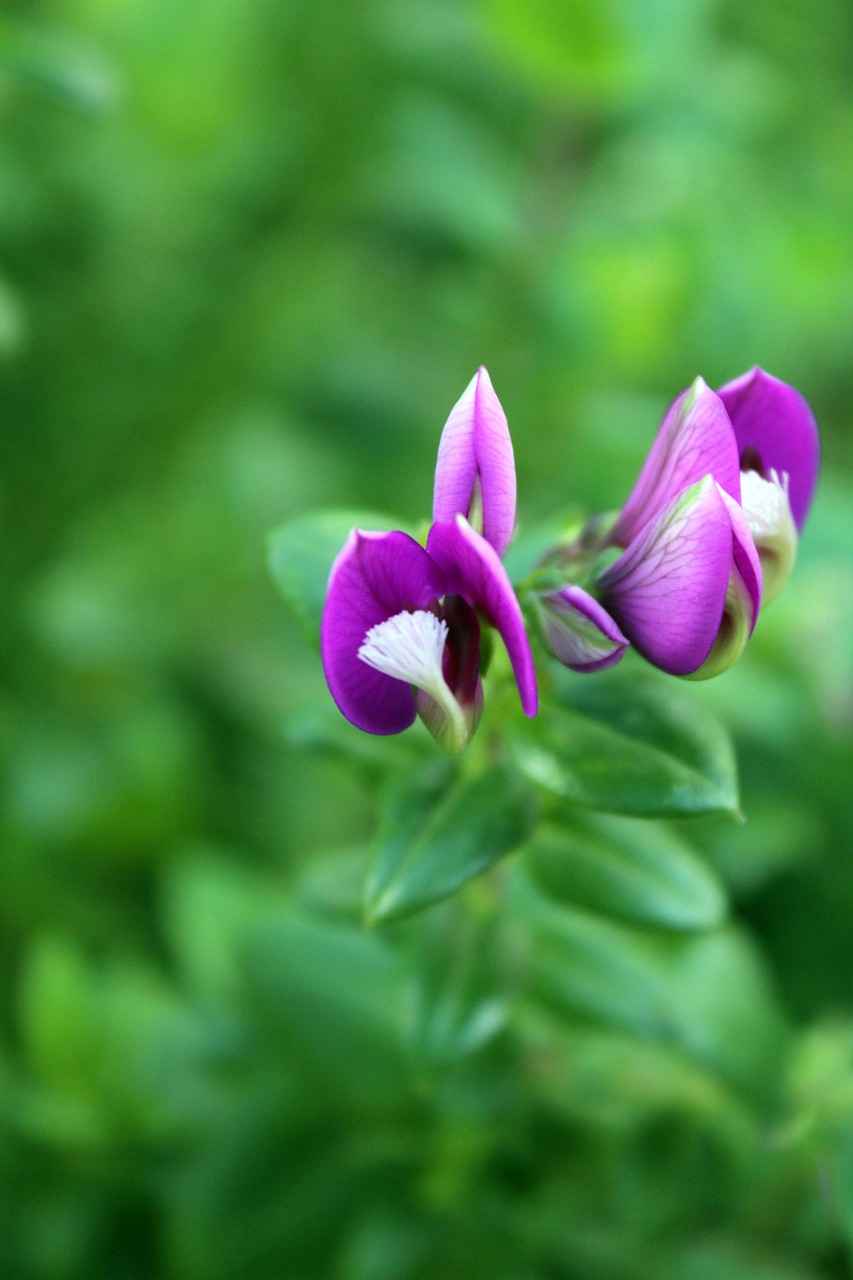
pixel 475 471
pixel 578 630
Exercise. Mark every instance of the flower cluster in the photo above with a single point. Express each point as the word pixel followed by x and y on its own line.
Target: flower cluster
pixel 708 532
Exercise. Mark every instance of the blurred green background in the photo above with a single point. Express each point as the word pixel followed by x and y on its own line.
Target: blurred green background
pixel 251 251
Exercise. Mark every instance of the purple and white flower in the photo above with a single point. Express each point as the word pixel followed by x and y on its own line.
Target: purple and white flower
pixel 710 526
pixel 687 588
pixel 400 632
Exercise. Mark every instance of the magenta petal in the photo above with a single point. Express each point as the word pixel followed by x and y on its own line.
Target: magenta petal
pixel 773 421
pixel 668 590
pixel 695 440
pixel 580 632
pixel 475 450
pixel 474 571
pixel 375 576
pixel 745 555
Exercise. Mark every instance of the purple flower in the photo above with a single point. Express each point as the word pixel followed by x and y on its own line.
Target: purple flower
pixel 712 514
pixel 710 526
pixel 400 632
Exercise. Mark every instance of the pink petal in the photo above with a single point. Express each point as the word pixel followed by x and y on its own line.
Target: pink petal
pixel 695 440
pixel 774 423
pixel 475 448
pixel 474 571
pixel 375 576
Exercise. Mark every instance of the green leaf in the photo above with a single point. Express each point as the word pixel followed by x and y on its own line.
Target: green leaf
pixel 301 552
pixel 726 1009
pixel 58 1013
pixel 706 994
pixel 456 984
pixel 841 1174
pixel 13 325
pixel 576 50
pixel 626 867
pixel 628 742
pixel 56 65
pixel 210 905
pixel 327 994
pixel 609 1077
pixel 593 968
pixel 440 831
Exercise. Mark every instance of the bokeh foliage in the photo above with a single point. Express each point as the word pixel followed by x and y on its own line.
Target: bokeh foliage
pixel 250 253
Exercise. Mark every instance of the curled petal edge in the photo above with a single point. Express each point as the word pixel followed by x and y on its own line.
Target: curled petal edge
pixel 474 571
pixel 579 631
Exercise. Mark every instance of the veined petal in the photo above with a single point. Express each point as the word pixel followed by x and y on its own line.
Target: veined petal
pixel 775 427
pixel 474 571
pixel 375 576
pixel 475 472
pixel 667 592
pixel 695 439
pixel 579 631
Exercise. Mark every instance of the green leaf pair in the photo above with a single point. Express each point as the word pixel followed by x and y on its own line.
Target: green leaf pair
pixel 441 829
